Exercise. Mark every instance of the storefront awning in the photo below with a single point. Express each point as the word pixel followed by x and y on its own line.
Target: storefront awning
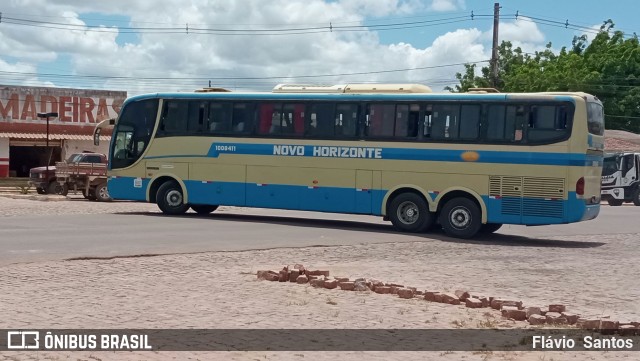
pixel 16 135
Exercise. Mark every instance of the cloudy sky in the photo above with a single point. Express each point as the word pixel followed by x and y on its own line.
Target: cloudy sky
pixel 181 45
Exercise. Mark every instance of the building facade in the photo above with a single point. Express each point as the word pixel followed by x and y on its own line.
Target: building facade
pixel 23 136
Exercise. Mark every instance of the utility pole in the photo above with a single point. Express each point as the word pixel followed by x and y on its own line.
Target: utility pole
pixel 494 52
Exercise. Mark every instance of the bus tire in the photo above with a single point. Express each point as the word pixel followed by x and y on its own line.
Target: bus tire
pixel 461 218
pixel 170 199
pixel 203 209
pixel 615 202
pixel 489 228
pixel 409 212
pixel 636 196
pixel 102 193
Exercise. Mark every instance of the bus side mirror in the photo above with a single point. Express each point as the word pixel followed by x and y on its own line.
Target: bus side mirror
pixel 96 136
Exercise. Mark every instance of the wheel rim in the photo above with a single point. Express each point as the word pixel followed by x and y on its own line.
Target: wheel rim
pixel 104 193
pixel 408 212
pixel 174 198
pixel 460 218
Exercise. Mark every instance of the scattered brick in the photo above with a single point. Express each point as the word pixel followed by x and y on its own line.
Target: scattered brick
pixel 513 313
pixel 450 298
pixel 496 303
pixel 557 308
pixel 431 296
pixel 382 289
pixel 608 327
pixel 627 330
pixel 347 286
pixel 588 324
pixel 317 282
pixel 360 285
pixel 317 273
pixel 473 303
pixel 572 318
pixel 419 293
pixel 405 293
pixel 555 318
pixel 536 319
pixel 330 284
pixel 533 311
pixel 283 276
pixel 517 304
pixel 302 279
pixel 268 275
pixel 293 275
pixel 462 295
pixel 342 279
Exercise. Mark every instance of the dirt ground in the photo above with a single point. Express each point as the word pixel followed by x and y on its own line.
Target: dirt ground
pixel 220 290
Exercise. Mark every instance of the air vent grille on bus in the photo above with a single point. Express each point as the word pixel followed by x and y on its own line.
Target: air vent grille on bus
pixel 529 196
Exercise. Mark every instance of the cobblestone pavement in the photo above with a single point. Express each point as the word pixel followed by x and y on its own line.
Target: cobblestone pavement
pixel 220 290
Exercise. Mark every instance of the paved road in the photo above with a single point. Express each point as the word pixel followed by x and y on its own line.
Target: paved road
pixel 55 237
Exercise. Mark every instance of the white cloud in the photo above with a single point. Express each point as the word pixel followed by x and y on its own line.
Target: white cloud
pixel 522 33
pixel 190 60
pixel 22 68
pixel 447 5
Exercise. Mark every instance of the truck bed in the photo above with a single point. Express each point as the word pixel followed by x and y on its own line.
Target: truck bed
pixel 64 169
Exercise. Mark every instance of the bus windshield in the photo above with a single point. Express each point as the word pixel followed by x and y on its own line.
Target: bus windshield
pixel 133 132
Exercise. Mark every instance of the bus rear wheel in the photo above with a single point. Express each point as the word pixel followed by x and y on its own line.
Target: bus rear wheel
pixel 461 218
pixel 170 199
pixel 410 213
pixel 203 209
pixel 489 228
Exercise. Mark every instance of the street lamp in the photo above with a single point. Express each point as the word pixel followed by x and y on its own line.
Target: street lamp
pixel 47 116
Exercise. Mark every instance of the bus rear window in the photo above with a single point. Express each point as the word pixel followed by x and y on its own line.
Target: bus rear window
pixel 595 118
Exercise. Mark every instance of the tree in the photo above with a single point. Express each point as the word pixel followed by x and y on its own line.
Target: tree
pixel 607 67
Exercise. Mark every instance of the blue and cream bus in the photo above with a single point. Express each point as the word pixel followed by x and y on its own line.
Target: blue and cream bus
pixel 468 162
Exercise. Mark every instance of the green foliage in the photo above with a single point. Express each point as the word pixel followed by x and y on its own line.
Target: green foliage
pixel 607 67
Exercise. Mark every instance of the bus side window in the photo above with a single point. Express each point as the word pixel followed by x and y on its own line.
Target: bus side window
pixel 546 123
pixel 426 126
pixel 445 121
pixel 320 122
pixel 346 121
pixel 196 117
pixel 174 117
pixel 219 118
pixel 402 121
pixel 381 120
pixel 242 117
pixel 470 122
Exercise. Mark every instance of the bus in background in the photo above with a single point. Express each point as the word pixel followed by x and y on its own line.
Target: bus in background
pixel 468 162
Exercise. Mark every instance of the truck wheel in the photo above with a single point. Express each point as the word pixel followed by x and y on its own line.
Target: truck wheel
pixel 101 192
pixel 203 208
pixel 410 213
pixel 636 197
pixel 54 188
pixel 615 202
pixel 64 189
pixel 170 199
pixel 461 218
pixel 41 190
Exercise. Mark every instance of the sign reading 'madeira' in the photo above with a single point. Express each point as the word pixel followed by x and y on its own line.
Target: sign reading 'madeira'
pixel 19 106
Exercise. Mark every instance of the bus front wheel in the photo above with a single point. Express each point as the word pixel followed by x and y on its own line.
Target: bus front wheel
pixel 410 213
pixel 170 199
pixel 461 218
